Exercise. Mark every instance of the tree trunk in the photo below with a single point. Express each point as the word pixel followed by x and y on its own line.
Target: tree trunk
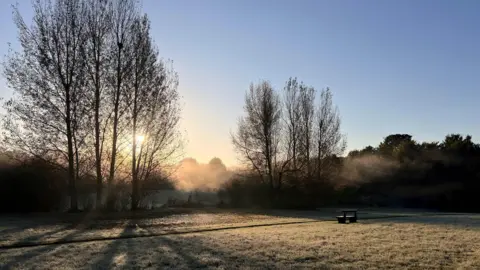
pixel 269 165
pixel 98 156
pixel 111 202
pixel 70 154
pixel 134 161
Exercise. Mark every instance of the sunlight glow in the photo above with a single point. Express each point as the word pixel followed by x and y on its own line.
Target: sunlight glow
pixel 140 138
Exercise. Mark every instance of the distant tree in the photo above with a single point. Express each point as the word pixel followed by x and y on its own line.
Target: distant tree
pixel 292 119
pixel 217 164
pixel 406 151
pixel 354 153
pixel 329 140
pixel 369 150
pixel 189 162
pixel 392 142
pixel 256 139
pixel 426 146
pixel 307 128
pixel 457 144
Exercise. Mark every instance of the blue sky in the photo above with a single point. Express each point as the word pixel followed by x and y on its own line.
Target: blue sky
pixel 393 66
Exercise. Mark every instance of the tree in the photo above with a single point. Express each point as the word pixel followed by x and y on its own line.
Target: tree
pixel 292 119
pixel 216 164
pixel 328 137
pixel 89 75
pixel 124 15
pixel 391 142
pixel 457 144
pixel 98 28
pixel 47 78
pixel 256 139
pixel 307 117
pixel 154 112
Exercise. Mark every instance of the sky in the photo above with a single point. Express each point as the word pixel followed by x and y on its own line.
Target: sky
pixel 393 66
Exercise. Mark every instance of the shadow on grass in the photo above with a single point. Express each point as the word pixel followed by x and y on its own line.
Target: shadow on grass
pixel 27 254
pixel 112 250
pixel 13 229
pixel 171 252
pixel 39 237
pixel 163 252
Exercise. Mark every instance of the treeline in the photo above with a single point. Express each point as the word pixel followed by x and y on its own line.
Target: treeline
pixel 400 171
pixel 291 142
pixel 91 96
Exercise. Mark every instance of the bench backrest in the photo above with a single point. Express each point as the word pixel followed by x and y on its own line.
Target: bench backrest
pixel 345 212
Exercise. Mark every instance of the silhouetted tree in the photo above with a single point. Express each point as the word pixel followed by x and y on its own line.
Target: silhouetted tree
pixel 258 132
pixel 124 15
pixel 154 112
pixel 99 18
pixel 47 77
pixel 307 126
pixel 329 140
pixel 292 119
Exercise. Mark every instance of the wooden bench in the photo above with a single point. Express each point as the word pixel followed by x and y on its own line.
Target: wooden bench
pixel 351 218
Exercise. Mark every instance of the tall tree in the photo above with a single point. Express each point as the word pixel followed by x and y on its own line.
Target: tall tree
pixel 256 139
pixel 148 92
pixel 307 117
pixel 328 137
pixel 124 15
pixel 292 119
pixel 47 78
pixel 98 29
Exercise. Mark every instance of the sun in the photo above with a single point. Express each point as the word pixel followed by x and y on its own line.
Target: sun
pixel 140 138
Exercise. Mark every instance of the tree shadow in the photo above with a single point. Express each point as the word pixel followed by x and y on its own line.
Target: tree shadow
pixel 13 229
pixel 111 250
pixel 193 253
pixel 38 237
pixel 168 252
pixel 30 252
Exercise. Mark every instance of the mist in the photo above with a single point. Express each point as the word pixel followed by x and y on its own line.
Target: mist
pixel 357 170
pixel 191 175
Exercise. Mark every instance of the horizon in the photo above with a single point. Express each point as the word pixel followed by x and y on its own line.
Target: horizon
pixel 398 67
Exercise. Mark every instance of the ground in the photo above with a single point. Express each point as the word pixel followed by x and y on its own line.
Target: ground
pixel 241 240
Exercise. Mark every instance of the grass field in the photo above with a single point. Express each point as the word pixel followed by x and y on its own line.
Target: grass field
pixel 269 240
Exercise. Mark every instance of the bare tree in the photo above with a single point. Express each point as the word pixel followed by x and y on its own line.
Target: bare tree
pixel 328 137
pixel 256 139
pixel 140 88
pixel 47 79
pixel 124 15
pixel 306 127
pixel 98 30
pixel 89 75
pixel 162 142
pixel 292 120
